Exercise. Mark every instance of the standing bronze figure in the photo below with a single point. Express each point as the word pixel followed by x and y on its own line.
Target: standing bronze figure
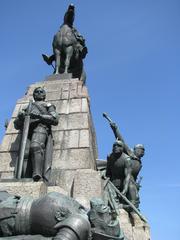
pixel 136 154
pixel 37 153
pixel 119 167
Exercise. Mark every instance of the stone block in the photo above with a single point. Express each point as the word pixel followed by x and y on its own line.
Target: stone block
pixel 73 90
pixel 6 175
pixel 87 184
pixel 62 106
pixel 75 105
pixel 65 76
pixel 10 143
pixel 79 90
pixel 137 221
pixel 84 105
pixel 71 159
pixel 6 143
pixel 147 232
pixel 56 189
pixel 66 139
pixel 72 121
pixel 52 96
pixel 63 179
pixel 53 77
pixel 48 87
pixel 73 85
pixel 65 95
pixel 84 138
pixel 8 160
pixel 65 87
pixel 63 123
pixel 71 139
pixel 140 233
pixel 124 217
pixel 58 137
pixel 17 108
pixel 127 230
pixel 82 90
pixel 25 99
pixel 78 121
pixel 11 129
pixel 53 86
pixel 24 188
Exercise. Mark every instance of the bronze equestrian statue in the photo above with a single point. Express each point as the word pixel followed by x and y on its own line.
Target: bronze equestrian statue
pixel 69 48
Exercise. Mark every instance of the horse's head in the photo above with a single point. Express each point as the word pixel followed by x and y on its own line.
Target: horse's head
pixel 69 15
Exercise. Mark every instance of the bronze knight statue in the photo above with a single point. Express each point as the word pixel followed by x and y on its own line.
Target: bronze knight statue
pixel 36 144
pixel 136 165
pixel 119 167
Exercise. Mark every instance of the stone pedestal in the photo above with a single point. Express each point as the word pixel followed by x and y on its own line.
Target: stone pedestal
pixel 74 137
pixel 74 153
pixel 87 184
pixel 133 227
pixel 24 188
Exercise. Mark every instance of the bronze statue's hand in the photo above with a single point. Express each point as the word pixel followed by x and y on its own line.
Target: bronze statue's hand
pixel 35 116
pixel 124 192
pixel 21 115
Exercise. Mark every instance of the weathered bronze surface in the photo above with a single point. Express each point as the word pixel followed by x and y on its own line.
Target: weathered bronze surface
pixel 69 48
pixel 117 167
pixel 36 145
pixel 55 215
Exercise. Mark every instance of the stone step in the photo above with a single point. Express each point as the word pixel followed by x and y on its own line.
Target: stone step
pixel 24 187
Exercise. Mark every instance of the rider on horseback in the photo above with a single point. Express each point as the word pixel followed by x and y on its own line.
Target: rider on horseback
pixel 69 47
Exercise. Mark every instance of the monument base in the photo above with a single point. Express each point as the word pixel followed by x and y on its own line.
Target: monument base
pixel 133 227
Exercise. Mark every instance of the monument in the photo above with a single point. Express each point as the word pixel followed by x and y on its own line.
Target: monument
pixel 51 185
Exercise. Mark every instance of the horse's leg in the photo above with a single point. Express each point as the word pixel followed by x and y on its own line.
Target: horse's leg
pixel 57 60
pixel 69 53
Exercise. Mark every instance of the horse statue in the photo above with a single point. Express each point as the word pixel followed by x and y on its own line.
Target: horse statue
pixel 68 47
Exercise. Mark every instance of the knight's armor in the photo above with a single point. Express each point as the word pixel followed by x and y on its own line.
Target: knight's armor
pixel 37 160
pixel 56 217
pixel 40 216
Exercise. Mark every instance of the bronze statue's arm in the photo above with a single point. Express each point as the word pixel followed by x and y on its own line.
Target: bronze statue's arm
pixel 127 172
pixel 49 119
pixel 118 136
pixel 116 131
pixel 52 118
pixel 54 115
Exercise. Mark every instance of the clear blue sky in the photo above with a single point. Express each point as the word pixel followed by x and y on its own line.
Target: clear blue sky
pixel 132 73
